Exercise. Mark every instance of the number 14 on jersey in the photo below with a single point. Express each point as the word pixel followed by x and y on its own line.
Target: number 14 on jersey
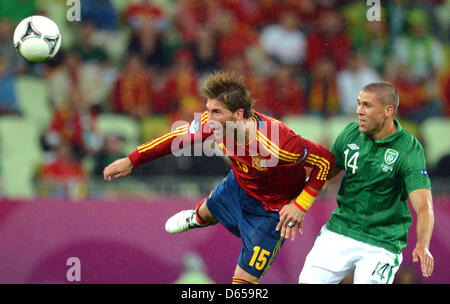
pixel 352 162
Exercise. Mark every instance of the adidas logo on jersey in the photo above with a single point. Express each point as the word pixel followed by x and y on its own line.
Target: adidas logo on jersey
pixel 353 146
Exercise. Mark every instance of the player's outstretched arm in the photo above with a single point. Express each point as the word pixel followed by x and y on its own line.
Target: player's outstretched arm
pixel 117 169
pixel 422 203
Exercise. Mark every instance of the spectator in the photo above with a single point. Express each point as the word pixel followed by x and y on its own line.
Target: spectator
pixel 74 123
pixel 193 16
pixel 147 23
pixel 64 176
pixel 132 92
pixel 328 40
pixel 204 50
pixel 284 95
pixel 350 80
pixel 111 150
pixel 147 42
pixel 180 90
pixel 353 14
pixel 418 47
pixel 85 44
pixel 284 41
pixel 101 12
pixel 376 45
pixel 93 79
pixel 308 12
pixel 443 21
pixel 234 39
pixel 8 100
pixel 143 11
pixel 14 62
pixel 415 102
pixel 65 78
pixel 239 64
pixel 324 95
pixel 397 11
pixel 257 84
pixel 371 38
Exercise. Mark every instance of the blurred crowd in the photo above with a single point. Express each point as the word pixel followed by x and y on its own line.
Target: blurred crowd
pixel 147 58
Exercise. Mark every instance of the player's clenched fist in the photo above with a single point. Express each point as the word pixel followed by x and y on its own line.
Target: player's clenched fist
pixel 119 168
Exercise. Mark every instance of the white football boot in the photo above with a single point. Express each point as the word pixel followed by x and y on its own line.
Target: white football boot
pixel 182 221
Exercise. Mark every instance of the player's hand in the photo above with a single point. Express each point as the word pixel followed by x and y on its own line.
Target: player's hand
pixel 119 168
pixel 426 260
pixel 290 213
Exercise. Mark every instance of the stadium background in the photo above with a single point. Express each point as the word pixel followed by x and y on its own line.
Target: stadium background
pixel 129 69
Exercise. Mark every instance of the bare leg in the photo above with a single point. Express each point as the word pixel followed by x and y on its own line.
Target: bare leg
pixel 242 277
pixel 203 213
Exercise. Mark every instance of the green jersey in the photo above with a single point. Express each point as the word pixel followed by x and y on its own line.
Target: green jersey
pixel 380 174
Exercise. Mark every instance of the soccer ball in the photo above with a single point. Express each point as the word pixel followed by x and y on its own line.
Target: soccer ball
pixel 37 38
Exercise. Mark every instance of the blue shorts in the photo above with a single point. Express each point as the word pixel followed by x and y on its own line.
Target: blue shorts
pixel 246 218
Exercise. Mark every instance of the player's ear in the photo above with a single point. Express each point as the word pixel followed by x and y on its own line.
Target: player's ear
pixel 389 110
pixel 238 114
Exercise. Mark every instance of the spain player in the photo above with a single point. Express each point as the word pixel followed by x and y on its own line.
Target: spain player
pixel 384 165
pixel 272 169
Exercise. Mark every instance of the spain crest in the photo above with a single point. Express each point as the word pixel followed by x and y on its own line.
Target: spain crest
pixel 259 163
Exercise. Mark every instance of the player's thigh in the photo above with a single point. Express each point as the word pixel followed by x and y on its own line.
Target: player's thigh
pixel 377 266
pixel 260 243
pixel 223 204
pixel 330 260
pixel 316 275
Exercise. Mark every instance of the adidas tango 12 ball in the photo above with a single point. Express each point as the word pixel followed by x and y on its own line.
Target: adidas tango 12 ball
pixel 37 38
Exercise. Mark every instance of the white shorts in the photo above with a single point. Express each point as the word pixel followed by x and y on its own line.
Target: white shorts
pixel 333 256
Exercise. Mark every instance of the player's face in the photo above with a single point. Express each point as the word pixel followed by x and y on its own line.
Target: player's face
pixel 371 114
pixel 218 116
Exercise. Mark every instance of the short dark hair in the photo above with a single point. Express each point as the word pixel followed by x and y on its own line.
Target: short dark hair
pixel 230 89
pixel 386 93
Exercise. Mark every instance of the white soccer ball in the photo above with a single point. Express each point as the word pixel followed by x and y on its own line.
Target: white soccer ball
pixel 37 38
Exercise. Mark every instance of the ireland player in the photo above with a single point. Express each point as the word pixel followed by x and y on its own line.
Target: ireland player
pixel 384 165
pixel 272 168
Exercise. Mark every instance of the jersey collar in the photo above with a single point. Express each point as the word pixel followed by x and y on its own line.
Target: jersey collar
pixel 393 136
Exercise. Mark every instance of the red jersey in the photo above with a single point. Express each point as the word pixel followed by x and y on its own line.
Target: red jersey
pixel 270 167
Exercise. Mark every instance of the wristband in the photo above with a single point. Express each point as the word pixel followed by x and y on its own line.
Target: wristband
pixel 305 199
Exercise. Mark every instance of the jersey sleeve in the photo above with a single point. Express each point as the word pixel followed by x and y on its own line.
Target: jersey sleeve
pixel 321 160
pixel 309 154
pixel 196 130
pixel 413 170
